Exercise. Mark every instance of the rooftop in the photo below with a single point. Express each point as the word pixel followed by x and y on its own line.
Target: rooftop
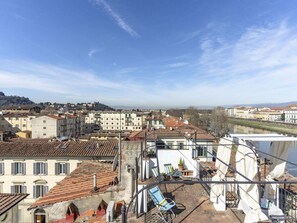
pixel 187 131
pixel 80 183
pixel 8 201
pixel 48 148
pixel 192 203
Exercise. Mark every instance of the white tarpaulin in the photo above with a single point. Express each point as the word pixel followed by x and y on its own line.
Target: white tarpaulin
pixel 281 150
pixel 246 164
pixel 223 153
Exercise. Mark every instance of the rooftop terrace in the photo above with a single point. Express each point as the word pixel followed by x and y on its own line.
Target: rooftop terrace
pixel 193 205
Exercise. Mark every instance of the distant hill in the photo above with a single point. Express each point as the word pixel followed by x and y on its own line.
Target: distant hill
pixel 6 101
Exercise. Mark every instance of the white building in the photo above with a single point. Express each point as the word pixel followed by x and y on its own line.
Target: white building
pixel 291 115
pixel 126 120
pixel 49 126
pixel 35 166
pixel 92 122
pixel 175 144
pixel 114 120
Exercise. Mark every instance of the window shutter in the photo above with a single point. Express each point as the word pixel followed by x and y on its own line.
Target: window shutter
pixel 205 151
pixel 12 188
pixel 45 190
pixel 2 168
pixel 67 168
pixel 45 168
pixel 23 168
pixel 24 189
pixel 34 191
pixel 13 168
pixel 57 168
pixel 34 169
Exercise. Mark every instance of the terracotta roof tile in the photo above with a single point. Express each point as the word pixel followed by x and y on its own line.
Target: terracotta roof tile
pixel 79 183
pixel 44 148
pixel 7 201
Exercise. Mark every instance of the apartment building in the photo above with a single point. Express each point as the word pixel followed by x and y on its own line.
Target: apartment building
pixel 16 122
pixel 28 109
pixel 48 126
pixel 127 120
pixel 291 116
pixel 114 120
pixel 34 166
pixel 92 122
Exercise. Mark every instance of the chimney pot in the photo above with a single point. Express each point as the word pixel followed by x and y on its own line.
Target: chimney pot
pixel 94 181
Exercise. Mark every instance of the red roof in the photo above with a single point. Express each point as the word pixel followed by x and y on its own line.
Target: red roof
pixel 172 122
pixel 79 183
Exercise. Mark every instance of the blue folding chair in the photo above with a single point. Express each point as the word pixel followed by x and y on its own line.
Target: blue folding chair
pixel 168 169
pixel 164 205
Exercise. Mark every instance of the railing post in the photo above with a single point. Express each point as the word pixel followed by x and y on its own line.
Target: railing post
pixel 124 216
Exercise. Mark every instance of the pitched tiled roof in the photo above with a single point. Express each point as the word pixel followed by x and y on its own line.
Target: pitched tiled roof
pixel 172 122
pixel 45 148
pixel 79 183
pixel 186 131
pixel 8 201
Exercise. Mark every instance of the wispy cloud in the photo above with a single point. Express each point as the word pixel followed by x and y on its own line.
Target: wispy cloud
pixel 117 18
pixel 176 65
pixel 92 52
pixel 55 79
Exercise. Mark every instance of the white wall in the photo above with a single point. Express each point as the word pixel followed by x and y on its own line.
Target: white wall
pixel 28 179
pixel 51 127
pixel 173 156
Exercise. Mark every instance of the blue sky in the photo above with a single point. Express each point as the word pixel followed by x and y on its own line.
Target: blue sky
pixel 152 53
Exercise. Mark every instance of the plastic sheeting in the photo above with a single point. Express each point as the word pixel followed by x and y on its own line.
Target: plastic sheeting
pixel 223 153
pixel 246 164
pixel 277 168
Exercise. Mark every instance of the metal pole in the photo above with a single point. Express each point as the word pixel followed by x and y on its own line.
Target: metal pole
pixel 136 185
pixel 120 157
pixel 124 217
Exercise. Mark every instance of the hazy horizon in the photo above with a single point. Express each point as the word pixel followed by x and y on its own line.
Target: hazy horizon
pixel 149 53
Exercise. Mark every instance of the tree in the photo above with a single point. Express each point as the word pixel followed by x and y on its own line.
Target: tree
pixel 199 118
pixel 219 122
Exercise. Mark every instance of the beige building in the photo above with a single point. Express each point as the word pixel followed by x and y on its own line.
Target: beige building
pixel 15 122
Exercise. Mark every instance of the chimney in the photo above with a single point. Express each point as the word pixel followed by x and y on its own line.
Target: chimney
pixel 94 182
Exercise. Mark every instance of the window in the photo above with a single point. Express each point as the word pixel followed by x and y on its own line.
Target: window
pixel 160 145
pixel 18 189
pixel 44 134
pixel 24 125
pixel 39 168
pixel 39 190
pixel 44 121
pixel 169 145
pixel 1 168
pixel 18 168
pixel 61 168
pixel 44 127
pixel 180 145
pixel 201 151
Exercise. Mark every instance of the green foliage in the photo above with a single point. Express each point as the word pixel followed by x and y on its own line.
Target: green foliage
pixel 181 162
pixel 6 101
